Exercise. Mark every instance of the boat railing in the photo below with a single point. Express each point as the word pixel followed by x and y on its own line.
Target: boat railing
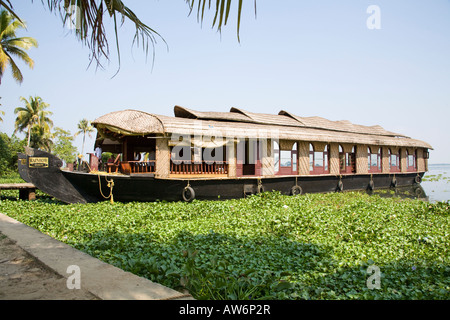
pixel 203 167
pixel 147 166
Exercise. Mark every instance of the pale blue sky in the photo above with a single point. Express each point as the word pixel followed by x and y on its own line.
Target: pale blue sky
pixel 309 57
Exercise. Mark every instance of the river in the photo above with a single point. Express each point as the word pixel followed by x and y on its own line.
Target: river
pixel 436 182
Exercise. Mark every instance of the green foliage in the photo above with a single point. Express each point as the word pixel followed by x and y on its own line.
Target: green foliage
pixel 437 177
pixel 34 119
pixel 106 156
pixel 9 147
pixel 63 147
pixel 267 246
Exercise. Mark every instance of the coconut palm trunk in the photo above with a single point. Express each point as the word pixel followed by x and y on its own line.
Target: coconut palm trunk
pixel 34 113
pixel 85 128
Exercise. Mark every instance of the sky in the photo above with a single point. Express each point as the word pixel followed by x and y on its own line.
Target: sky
pixel 327 58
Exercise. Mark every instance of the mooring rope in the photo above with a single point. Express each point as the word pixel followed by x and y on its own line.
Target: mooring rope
pixel 110 185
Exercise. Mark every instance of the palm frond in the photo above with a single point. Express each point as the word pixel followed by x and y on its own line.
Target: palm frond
pixel 222 10
pixel 14 51
pixel 16 73
pixel 22 42
pixel 8 6
pixel 10 45
pixel 91 28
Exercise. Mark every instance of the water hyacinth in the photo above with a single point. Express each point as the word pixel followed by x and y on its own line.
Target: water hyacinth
pixel 270 246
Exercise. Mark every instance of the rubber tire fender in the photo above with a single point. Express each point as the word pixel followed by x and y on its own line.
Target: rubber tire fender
pixel 188 194
pixel 371 185
pixel 296 190
pixel 418 179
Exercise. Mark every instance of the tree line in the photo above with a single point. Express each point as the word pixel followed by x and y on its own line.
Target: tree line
pixel 34 119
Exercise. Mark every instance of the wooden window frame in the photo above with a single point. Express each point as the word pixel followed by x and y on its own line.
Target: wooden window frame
pixel 285 170
pixel 376 168
pixel 318 170
pixel 395 168
pixel 412 168
pixel 349 161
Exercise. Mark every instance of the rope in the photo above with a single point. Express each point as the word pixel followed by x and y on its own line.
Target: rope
pixel 259 182
pixel 110 185
pixel 87 164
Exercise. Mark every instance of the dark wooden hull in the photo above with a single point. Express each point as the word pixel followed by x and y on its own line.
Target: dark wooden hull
pixel 82 187
pixel 141 188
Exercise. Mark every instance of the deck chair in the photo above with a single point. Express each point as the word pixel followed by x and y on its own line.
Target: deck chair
pixel 114 166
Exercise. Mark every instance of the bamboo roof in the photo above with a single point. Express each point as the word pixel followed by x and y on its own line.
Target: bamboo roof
pixel 243 124
pixel 130 122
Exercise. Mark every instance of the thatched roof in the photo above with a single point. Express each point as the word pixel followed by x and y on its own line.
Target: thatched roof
pixel 181 112
pixel 243 124
pixel 283 118
pixel 130 122
pixel 342 125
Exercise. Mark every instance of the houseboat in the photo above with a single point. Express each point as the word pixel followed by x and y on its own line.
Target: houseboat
pixel 224 155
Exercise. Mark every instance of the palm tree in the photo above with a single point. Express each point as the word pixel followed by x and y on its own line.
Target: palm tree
pixel 41 138
pixel 33 113
pixel 84 127
pixel 13 46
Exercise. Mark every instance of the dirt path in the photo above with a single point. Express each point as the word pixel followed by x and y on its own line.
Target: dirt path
pixel 22 277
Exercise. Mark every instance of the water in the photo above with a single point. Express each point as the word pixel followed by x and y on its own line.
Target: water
pixel 436 182
pixel 435 186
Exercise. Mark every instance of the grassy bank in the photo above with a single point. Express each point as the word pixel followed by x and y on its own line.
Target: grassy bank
pixel 268 246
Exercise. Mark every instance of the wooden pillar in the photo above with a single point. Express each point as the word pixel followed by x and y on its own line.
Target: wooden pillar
pixel 403 160
pixel 420 160
pixel 303 157
pixel 162 157
pixel 267 161
pixel 231 158
pixel 334 159
pixel 362 164
pixel 385 160
pixel 127 150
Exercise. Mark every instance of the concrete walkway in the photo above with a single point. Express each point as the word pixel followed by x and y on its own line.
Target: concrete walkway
pixel 104 281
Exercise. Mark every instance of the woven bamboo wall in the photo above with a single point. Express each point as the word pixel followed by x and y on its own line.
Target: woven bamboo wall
pixel 231 158
pixel 394 150
pixel 286 144
pixel 374 149
pixel 403 160
pixel 334 159
pixel 267 161
pixel 385 160
pixel 162 157
pixel 303 157
pixel 346 147
pixel 319 146
pixel 361 159
pixel 420 160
